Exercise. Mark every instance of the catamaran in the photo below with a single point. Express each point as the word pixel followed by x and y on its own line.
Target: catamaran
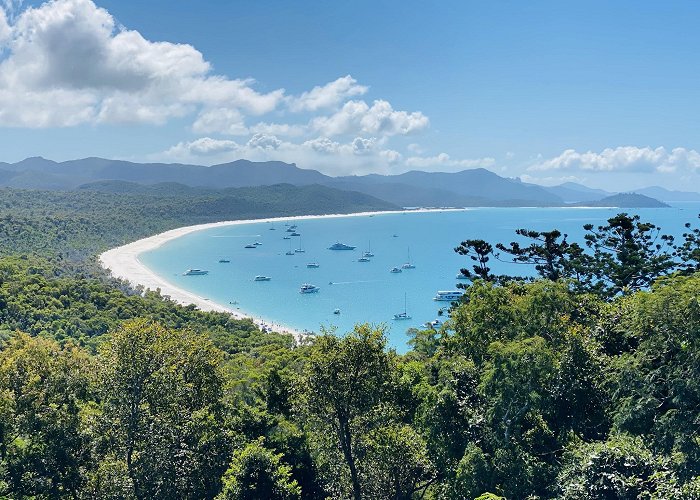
pixel 448 295
pixel 341 246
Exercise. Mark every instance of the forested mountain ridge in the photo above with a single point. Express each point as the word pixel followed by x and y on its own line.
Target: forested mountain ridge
pixel 472 187
pixel 79 224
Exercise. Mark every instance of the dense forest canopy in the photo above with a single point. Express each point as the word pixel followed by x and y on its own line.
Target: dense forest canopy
pixel 581 383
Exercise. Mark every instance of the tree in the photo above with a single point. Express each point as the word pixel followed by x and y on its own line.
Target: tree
pixel 478 251
pixel 620 468
pixel 628 254
pixel 346 380
pixel 43 389
pixel 161 412
pixel 255 473
pixel 549 255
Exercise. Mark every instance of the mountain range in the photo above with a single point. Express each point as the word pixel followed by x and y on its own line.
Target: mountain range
pixel 473 187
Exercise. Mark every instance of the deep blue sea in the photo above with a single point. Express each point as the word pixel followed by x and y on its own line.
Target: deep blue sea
pixel 362 291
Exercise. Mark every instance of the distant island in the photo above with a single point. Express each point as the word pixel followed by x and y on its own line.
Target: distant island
pixel 625 200
pixel 468 188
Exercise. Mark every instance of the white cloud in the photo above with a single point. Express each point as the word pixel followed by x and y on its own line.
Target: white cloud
pixel 5 30
pixel 201 147
pixel 283 129
pixel 328 95
pixel 445 162
pixel 227 121
pixel 416 149
pixel 551 180
pixel 357 117
pixel 624 159
pixel 105 73
pixel 264 142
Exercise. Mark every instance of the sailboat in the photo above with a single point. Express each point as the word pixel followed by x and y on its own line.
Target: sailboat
pixel 368 253
pixel 408 264
pixel 289 252
pixel 300 250
pixel 404 314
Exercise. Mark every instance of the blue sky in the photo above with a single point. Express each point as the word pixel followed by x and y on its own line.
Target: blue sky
pixel 604 93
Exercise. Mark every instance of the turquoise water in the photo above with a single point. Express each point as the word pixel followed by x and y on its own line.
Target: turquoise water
pixel 363 292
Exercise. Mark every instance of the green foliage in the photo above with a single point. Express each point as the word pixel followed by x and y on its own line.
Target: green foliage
pixel 161 391
pixel 255 473
pixel 620 468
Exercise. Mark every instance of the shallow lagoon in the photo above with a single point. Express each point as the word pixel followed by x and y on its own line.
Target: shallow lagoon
pixel 362 291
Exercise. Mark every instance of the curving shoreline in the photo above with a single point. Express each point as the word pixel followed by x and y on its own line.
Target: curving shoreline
pixel 123 263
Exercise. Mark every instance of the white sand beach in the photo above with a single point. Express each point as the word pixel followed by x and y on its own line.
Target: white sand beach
pixel 123 262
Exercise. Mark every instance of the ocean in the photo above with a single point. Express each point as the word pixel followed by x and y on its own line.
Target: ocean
pixel 352 292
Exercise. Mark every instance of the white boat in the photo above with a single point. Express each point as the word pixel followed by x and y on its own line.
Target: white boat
pixel 313 265
pixel 308 288
pixel 461 276
pixel 224 261
pixel 337 311
pixel 448 295
pixel 404 314
pixel 435 324
pixel 262 278
pixel 287 238
pixel 257 243
pixel 408 264
pixel 251 246
pixel 341 246
pixel 395 270
pixel 363 259
pixel 300 250
pixel 289 252
pixel 195 272
pixel 368 253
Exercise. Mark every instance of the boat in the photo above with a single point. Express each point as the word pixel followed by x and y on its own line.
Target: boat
pixel 295 234
pixel 313 265
pixel 395 270
pixel 448 295
pixel 408 264
pixel 337 311
pixel 224 261
pixel 262 278
pixel 195 272
pixel 290 230
pixel 300 250
pixel 404 314
pixel 257 243
pixel 363 259
pixel 289 252
pixel 341 246
pixel 461 276
pixel 308 288
pixel 251 246
pixel 287 238
pixel 368 253
pixel 435 324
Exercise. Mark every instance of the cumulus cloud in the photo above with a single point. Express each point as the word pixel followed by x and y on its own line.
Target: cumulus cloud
pixel 201 147
pixel 624 159
pixel 227 121
pixel 357 117
pixel 264 141
pixel 444 161
pixel 104 73
pixel 283 129
pixel 327 96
